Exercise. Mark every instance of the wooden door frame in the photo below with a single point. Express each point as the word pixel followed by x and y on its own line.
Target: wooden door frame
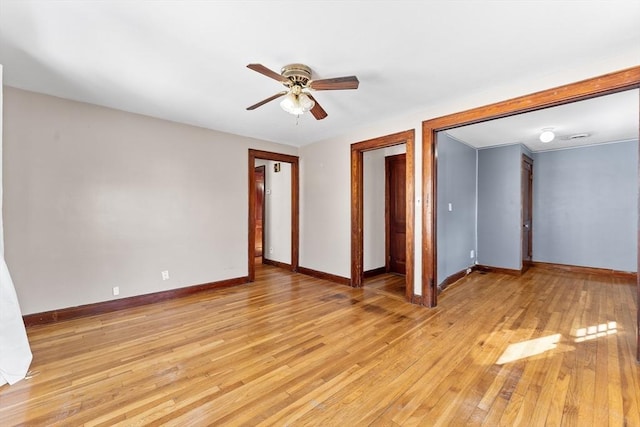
pixel 357 204
pixel 602 85
pixel 295 191
pixel 528 160
pixel 387 211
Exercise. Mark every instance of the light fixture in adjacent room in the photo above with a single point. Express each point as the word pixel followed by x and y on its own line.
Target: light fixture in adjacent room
pixel 297 102
pixel 547 135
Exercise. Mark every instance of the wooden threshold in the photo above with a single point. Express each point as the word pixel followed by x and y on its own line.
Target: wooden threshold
pixel 374 272
pixel 278 264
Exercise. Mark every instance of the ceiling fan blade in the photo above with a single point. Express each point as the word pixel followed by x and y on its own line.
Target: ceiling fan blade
pixel 337 83
pixel 267 72
pixel 264 101
pixel 317 111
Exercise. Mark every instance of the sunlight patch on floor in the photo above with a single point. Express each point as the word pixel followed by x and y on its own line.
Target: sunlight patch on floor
pixel 536 346
pixel 595 331
pixel 528 348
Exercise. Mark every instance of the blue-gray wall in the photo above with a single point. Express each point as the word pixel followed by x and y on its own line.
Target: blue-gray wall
pixel 586 206
pixel 456 229
pixel 499 207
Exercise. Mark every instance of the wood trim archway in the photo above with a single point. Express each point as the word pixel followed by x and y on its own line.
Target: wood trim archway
pixel 590 88
pixel 295 191
pixel 357 201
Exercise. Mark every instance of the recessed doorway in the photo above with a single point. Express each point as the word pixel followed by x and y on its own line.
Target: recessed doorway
pixel 292 166
pixel 357 206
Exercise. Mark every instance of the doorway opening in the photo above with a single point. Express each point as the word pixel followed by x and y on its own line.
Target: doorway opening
pixel 357 206
pixel 255 232
pixel 586 89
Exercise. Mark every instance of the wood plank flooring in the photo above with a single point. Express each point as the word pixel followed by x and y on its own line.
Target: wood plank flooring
pixel 548 348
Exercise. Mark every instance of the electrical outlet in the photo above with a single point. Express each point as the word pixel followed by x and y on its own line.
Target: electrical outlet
pixel 116 290
pixel 472 254
pixel 270 250
pixel 165 275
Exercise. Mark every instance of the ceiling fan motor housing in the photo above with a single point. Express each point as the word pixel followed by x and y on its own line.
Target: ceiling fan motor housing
pixel 298 74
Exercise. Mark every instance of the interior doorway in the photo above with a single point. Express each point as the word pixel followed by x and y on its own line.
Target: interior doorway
pixel 591 88
pixel 292 161
pixel 357 206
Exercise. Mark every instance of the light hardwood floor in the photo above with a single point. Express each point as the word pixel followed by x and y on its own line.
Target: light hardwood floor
pixel 548 348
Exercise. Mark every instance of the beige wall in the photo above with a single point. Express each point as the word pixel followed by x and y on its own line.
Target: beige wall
pixel 325 223
pixel 96 198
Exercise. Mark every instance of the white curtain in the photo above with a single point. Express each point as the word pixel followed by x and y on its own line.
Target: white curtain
pixel 15 353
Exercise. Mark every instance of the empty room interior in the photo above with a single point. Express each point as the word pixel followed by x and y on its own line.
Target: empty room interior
pixel 298 213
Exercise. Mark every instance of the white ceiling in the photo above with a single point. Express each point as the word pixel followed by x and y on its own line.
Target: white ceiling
pixel 186 60
pixel 610 118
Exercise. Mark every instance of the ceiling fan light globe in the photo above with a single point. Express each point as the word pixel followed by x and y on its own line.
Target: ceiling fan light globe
pixel 289 103
pixel 297 104
pixel 305 102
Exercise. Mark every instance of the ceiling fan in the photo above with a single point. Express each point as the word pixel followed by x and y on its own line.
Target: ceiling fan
pixel 297 79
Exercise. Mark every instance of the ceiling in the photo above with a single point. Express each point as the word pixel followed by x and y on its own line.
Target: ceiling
pixel 185 61
pixel 610 118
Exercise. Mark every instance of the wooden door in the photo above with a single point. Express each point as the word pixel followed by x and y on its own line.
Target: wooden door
pixel 259 212
pixel 527 208
pixel 395 213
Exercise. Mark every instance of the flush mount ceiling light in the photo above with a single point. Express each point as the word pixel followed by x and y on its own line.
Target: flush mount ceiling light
pixel 547 135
